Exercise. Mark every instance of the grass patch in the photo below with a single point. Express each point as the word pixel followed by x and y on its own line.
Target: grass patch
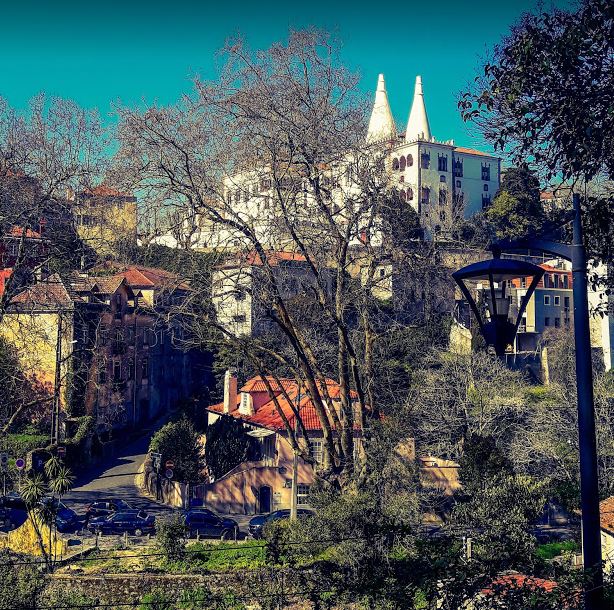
pixel 551 550
pixel 220 557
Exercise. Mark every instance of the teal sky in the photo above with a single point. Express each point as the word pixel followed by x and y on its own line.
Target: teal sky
pixel 99 52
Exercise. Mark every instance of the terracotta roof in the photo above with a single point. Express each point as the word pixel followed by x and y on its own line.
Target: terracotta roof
pixel 106 285
pixel 252 258
pixel 606 514
pixel 140 276
pixel 267 415
pixel 256 384
pixel 16 231
pixel 472 151
pixel 517 581
pixel 52 292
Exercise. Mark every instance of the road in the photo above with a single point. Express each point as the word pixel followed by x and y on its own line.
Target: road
pixel 115 479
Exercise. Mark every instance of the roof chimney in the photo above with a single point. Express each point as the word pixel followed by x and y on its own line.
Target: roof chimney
pixel 246 406
pixel 230 391
pixel 381 124
pixel 418 127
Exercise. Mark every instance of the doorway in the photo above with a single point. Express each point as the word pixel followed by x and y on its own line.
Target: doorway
pixel 264 499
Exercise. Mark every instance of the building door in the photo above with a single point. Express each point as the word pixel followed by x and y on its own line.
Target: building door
pixel 264 498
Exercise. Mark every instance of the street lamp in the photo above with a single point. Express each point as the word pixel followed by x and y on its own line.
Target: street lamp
pixel 496 326
pixel 499 332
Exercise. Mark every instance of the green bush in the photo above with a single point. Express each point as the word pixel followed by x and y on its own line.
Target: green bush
pixel 554 549
pixel 19 445
pixel 171 536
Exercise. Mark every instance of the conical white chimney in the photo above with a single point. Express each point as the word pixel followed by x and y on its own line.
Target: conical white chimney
pixel 418 124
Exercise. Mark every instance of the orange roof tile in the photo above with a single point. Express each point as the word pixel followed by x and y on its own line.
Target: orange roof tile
pixel 517 581
pixel 472 151
pixel 16 231
pixel 267 416
pixel 273 258
pixel 606 514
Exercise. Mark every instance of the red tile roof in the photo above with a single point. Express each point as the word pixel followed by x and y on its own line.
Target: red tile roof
pixel 140 276
pixel 267 415
pixel 19 231
pixel 517 581
pixel 252 258
pixel 472 151
pixel 606 514
pixel 53 292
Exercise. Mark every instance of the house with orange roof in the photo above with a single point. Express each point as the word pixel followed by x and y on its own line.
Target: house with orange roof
pixel 264 483
pixel 242 289
pixel 606 521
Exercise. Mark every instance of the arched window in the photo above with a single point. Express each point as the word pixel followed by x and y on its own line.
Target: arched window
pixel 402 195
pixel 410 160
pixel 402 163
pixel 410 193
pixel 425 195
pixel 401 178
pixel 443 196
pixel 395 164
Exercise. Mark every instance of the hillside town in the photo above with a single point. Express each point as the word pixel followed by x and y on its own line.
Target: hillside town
pixel 271 346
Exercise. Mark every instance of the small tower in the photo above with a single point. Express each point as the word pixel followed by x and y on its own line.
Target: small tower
pixel 381 124
pixel 418 124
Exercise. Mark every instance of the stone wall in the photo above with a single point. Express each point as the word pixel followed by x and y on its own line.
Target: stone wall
pixel 172 493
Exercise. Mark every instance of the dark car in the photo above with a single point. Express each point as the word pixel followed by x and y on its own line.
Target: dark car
pixel 204 522
pixel 136 522
pixel 104 508
pixel 66 519
pixel 13 500
pixel 257 523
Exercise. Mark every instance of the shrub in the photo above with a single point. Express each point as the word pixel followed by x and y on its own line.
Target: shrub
pixel 171 535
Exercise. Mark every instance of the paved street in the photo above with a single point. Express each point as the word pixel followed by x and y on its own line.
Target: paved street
pixel 115 479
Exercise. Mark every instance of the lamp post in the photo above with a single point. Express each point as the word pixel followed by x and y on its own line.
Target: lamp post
pixel 499 332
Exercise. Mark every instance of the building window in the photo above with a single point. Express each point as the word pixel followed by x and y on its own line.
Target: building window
pixel 485 201
pixel 443 196
pixel 395 164
pixel 442 215
pixel 557 300
pixel 458 168
pixel 546 321
pixel 566 302
pixel 485 171
pixel 117 370
pixel 102 376
pixel 565 281
pixel 317 451
pixel 402 164
pixel 523 282
pixel 131 368
pixel 239 318
pixel 567 322
pixel 401 178
pixel 425 160
pixel 239 295
pixel 145 368
pixel 302 494
pixel 402 195
pixel 557 322
pixel 410 193
pixel 425 195
pixel 442 178
pixel 410 160
pixel 546 299
pixel 442 163
pixel 458 184
pixel 486 188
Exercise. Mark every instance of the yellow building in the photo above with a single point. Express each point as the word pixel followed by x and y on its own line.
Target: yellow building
pixel 105 218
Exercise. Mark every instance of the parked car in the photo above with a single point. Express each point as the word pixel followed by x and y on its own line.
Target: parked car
pixel 66 519
pixel 104 508
pixel 204 522
pixel 136 522
pixel 13 500
pixel 257 523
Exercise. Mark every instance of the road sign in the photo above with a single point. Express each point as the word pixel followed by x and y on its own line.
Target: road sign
pixel 169 473
pixel 169 464
pixel 20 463
pixel 61 452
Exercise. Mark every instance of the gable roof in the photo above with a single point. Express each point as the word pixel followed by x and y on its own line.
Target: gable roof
pixel 267 416
pixel 472 151
pixel 50 293
pixel 146 278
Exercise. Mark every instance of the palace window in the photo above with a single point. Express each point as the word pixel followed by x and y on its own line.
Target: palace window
pixel 458 184
pixel 485 201
pixel 486 188
pixel 410 193
pixel 402 163
pixel 395 164
pixel 442 178
pixel 485 171
pixel 117 370
pixel 458 168
pixel 443 196
pixel 410 160
pixel 425 194
pixel 402 195
pixel 317 451
pixel 425 160
pixel 442 163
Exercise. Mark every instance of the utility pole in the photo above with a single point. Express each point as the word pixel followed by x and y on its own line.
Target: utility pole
pixel 294 498
pixel 589 485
